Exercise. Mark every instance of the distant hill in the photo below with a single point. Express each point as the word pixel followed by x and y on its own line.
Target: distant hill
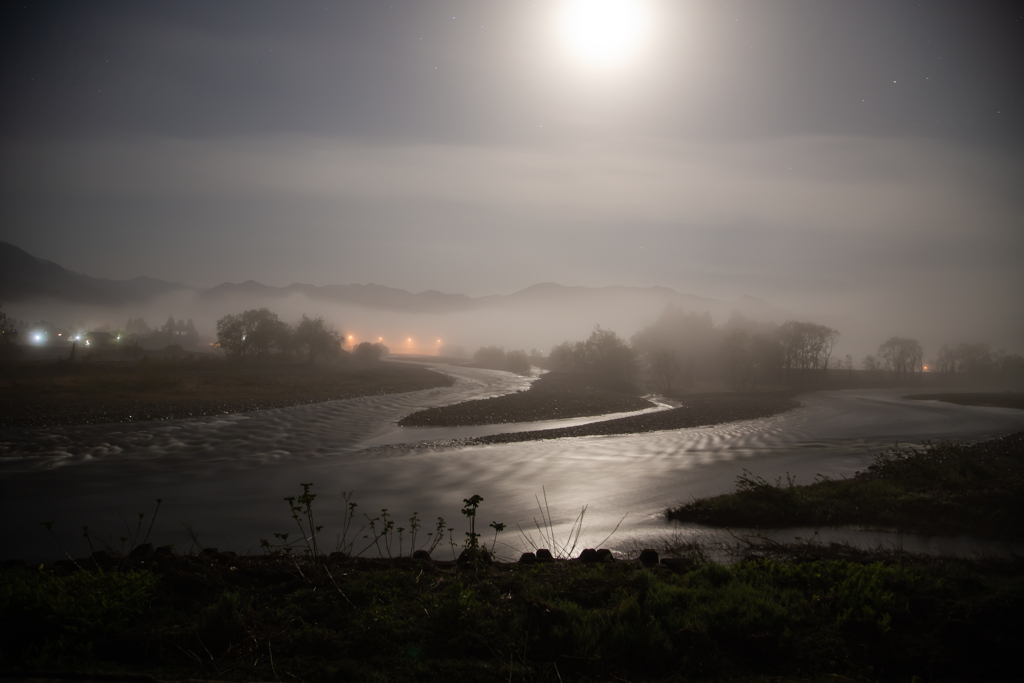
pixel 25 277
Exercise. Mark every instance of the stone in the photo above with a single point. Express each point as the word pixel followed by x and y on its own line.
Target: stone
pixel 421 555
pixel 544 555
pixel 648 557
pixel 588 556
pixel 141 551
pixel 483 557
pixel 104 559
pixel 527 558
pixel 605 555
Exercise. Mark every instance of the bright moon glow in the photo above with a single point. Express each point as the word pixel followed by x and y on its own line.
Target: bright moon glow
pixel 604 33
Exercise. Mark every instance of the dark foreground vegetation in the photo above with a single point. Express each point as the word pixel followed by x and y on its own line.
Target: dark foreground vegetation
pixel 944 489
pixel 48 393
pixel 553 396
pixel 800 613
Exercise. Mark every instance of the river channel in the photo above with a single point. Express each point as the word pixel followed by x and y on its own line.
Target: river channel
pixel 226 476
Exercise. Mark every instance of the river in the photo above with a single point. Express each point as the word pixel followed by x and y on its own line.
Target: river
pixel 226 476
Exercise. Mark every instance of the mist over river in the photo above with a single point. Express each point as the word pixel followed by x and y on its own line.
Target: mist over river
pixel 226 476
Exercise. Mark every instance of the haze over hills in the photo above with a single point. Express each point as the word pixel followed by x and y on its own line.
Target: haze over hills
pixel 25 278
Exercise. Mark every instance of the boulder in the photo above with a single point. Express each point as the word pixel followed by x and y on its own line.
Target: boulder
pixel 544 555
pixel 648 557
pixel 527 558
pixel 421 555
pixel 104 559
pixel 141 551
pixel 589 556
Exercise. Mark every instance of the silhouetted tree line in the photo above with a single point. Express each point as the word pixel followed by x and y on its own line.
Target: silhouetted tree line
pixel 682 347
pixel 978 359
pixel 900 357
pixel 180 332
pixel 497 358
pixel 258 333
pixel 604 355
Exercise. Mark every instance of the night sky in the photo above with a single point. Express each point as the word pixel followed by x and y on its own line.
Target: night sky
pixel 862 158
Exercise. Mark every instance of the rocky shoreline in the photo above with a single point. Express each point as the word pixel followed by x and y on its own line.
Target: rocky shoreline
pixel 696 411
pixel 554 396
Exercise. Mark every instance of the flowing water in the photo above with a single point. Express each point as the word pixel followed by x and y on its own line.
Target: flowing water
pixel 226 476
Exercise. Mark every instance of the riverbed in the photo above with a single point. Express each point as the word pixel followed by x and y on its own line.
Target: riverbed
pixel 226 476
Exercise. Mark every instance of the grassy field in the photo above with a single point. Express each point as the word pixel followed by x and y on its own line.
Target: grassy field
pixel 946 489
pixel 218 616
pixel 551 397
pixel 43 393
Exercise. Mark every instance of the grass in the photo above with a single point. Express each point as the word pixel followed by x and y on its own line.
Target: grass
pixel 37 393
pixel 795 612
pixel 225 617
pixel 945 489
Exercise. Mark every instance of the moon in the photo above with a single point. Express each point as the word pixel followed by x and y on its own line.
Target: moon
pixel 604 34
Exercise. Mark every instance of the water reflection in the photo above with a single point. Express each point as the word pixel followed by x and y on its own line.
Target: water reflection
pixel 226 475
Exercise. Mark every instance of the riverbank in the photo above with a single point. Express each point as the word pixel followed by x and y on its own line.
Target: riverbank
pixel 1004 399
pixel 800 614
pixel 553 396
pixel 944 489
pixel 43 394
pixel 696 411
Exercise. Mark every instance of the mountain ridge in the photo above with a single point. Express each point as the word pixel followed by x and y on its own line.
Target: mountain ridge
pixel 25 277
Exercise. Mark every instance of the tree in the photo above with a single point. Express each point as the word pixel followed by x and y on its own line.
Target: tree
pixel 969 358
pixel 367 352
pixel 8 332
pixel 316 337
pixel 901 356
pixel 492 357
pixel 664 366
pixel 137 326
pixel 517 362
pixel 604 354
pixel 231 335
pixel 191 333
pixel 806 346
pixel 263 331
pixel 738 356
